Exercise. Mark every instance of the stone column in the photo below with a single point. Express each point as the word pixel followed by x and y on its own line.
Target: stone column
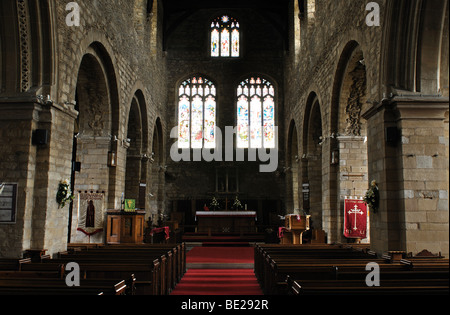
pixel 408 156
pixel 18 119
pixel 37 169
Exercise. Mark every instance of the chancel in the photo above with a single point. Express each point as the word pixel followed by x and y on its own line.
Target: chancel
pixel 251 147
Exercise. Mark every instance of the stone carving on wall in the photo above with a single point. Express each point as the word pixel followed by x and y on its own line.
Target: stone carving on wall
pixel 354 105
pixel 96 115
pixel 96 119
pixel 22 10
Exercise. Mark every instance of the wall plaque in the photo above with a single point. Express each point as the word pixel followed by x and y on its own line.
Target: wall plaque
pixel 8 203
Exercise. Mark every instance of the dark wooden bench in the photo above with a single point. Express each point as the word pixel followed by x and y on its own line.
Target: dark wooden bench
pixel 358 287
pixel 42 286
pixel 148 274
pixel 331 264
pixel 12 264
pixel 172 261
pixel 172 266
pixel 269 257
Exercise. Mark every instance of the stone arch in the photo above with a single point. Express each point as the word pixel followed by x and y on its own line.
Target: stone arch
pixel 293 160
pixel 348 138
pixel 157 172
pixel 311 162
pixel 137 151
pixel 414 38
pixel 29 52
pixel 96 128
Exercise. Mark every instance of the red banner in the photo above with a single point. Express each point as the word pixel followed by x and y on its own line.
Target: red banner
pixel 355 219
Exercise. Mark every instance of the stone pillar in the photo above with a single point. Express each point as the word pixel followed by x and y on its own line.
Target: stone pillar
pixel 408 156
pixel 37 169
pixel 18 165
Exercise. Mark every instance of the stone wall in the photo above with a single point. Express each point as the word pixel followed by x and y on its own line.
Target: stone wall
pixel 116 68
pixel 330 40
pixel 188 54
pixel 354 103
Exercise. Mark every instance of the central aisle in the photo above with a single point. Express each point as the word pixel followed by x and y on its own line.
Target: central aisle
pixel 219 271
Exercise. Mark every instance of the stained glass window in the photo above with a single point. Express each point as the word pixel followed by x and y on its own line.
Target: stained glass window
pixel 197 114
pixel 225 37
pixel 256 114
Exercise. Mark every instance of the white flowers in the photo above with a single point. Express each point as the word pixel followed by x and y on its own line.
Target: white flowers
pixel 64 193
pixel 372 197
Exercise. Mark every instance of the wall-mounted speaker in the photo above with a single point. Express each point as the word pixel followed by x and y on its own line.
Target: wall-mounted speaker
pixel 40 137
pixel 392 135
pixel 76 167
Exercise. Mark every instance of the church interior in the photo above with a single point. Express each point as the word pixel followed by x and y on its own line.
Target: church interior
pixel 150 140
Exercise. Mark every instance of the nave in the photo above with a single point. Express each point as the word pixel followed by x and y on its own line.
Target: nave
pixel 255 270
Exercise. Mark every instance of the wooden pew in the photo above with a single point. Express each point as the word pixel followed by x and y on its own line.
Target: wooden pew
pixel 31 274
pixel 46 286
pixel 147 273
pixel 271 277
pixel 178 252
pixel 13 264
pixel 175 258
pixel 358 287
pixel 171 262
pixel 332 264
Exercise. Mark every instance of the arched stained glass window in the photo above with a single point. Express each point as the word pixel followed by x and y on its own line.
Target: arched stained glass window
pixel 256 114
pixel 225 37
pixel 197 114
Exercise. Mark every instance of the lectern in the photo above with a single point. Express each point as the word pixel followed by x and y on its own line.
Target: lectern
pixel 295 226
pixel 125 227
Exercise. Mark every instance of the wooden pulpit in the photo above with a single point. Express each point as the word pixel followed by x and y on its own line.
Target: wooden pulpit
pixel 125 228
pixel 295 226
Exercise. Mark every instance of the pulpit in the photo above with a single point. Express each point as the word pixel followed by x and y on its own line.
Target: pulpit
pixel 295 226
pixel 125 227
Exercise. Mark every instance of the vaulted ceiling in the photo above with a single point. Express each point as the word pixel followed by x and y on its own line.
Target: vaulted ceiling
pixel 274 12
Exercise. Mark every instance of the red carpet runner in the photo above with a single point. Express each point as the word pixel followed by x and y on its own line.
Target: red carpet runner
pixel 216 278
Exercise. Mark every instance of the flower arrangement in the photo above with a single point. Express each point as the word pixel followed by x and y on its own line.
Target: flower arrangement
pixel 214 204
pixel 372 197
pixel 64 194
pixel 237 205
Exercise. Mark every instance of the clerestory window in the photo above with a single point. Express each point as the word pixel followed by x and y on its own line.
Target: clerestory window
pixel 225 37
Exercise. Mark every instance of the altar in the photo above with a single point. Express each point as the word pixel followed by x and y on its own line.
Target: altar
pixel 226 222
